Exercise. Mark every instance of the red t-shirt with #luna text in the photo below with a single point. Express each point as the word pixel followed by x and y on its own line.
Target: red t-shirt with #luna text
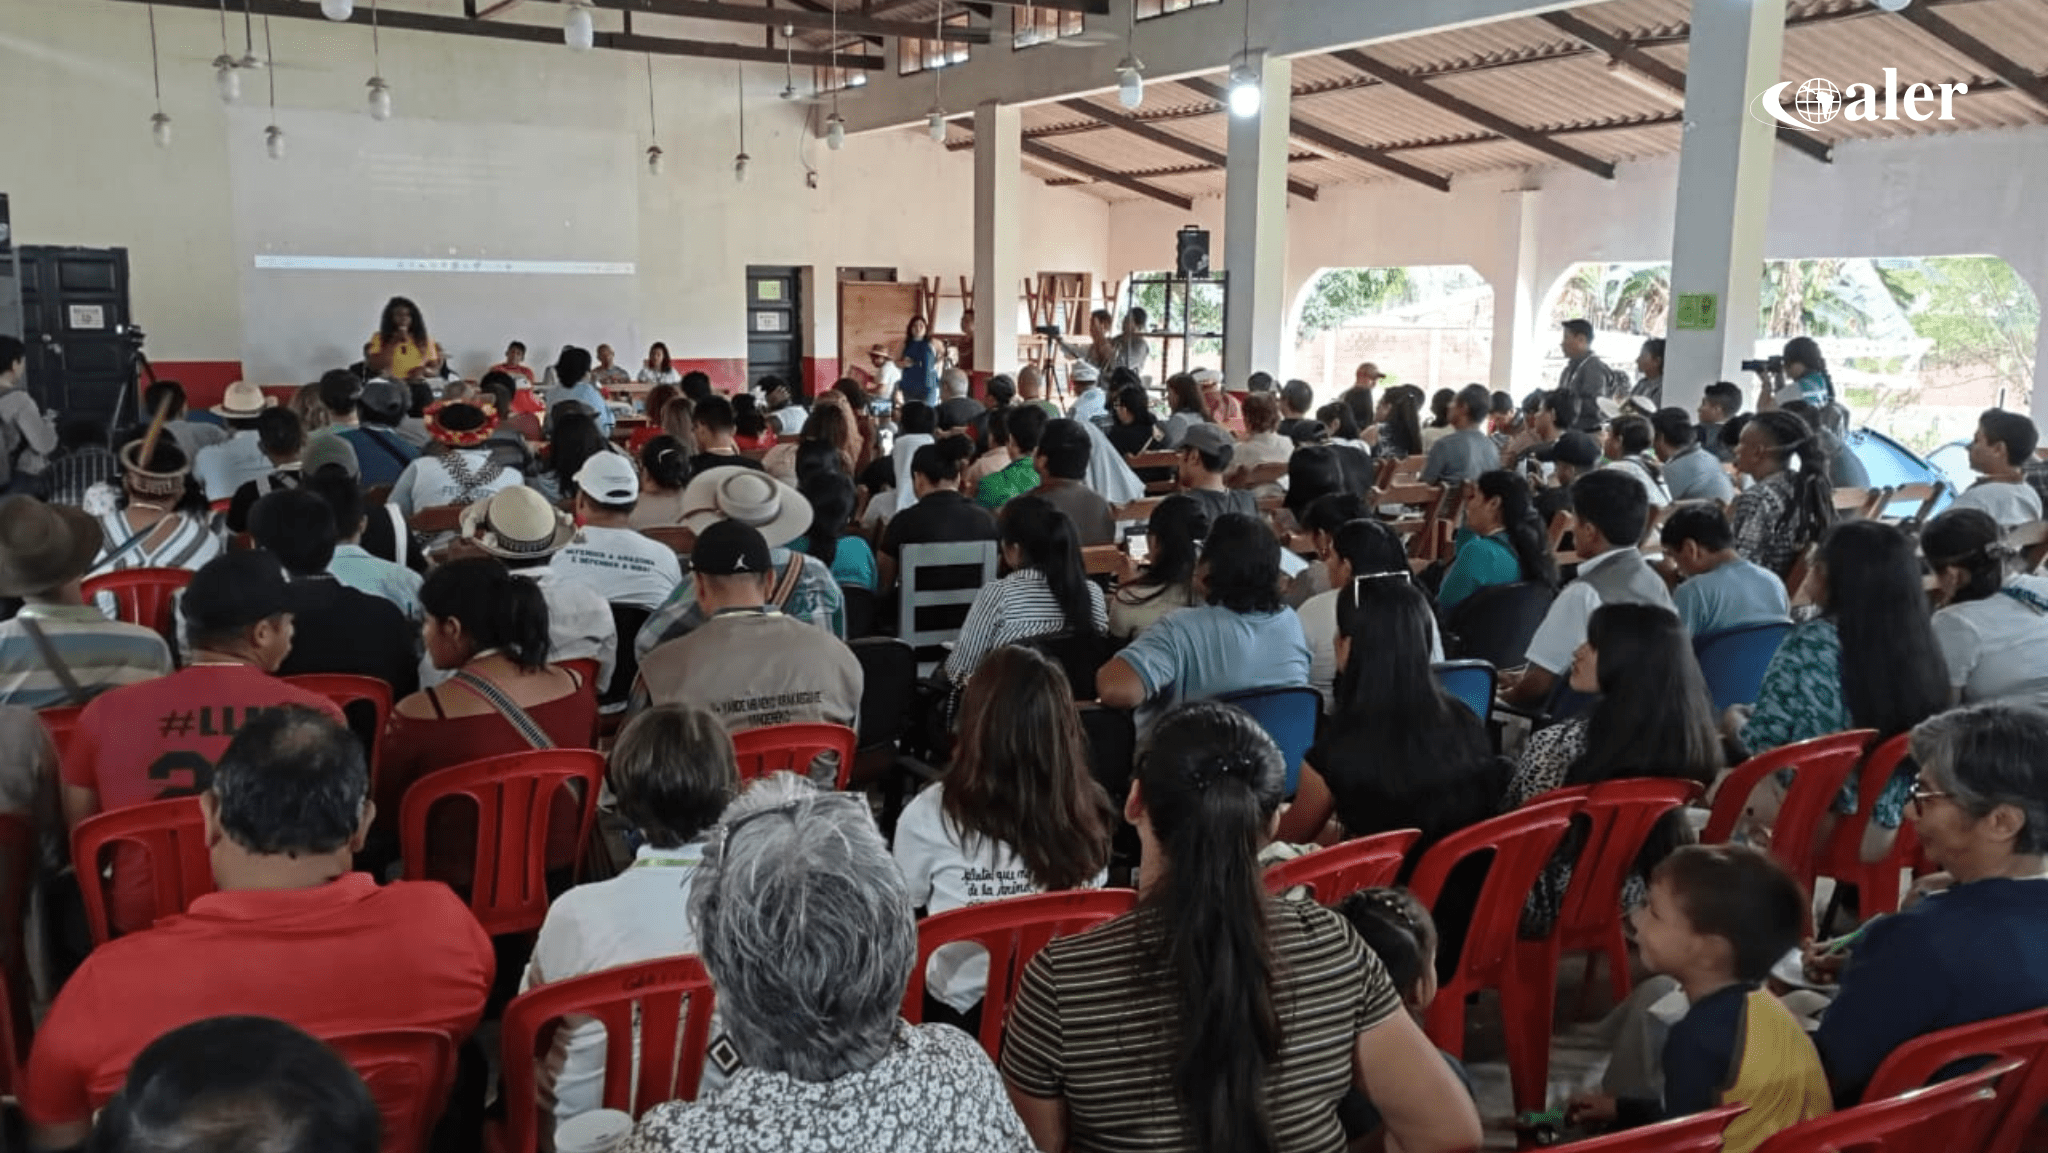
pixel 160 739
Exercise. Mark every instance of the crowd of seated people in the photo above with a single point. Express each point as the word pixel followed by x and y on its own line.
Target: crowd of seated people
pixel 532 564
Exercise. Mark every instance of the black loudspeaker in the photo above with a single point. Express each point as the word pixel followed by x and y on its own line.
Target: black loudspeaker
pixel 1191 251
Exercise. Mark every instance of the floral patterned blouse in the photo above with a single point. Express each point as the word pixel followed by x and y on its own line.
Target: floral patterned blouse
pixel 1801 698
pixel 1758 518
pixel 1545 760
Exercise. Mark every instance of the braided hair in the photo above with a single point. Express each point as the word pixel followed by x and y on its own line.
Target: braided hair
pixel 1812 508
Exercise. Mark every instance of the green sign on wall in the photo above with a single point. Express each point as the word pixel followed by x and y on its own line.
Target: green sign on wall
pixel 1698 311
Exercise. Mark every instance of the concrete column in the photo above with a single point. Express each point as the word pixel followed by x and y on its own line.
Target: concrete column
pixel 998 227
pixel 1255 229
pixel 1516 298
pixel 1724 189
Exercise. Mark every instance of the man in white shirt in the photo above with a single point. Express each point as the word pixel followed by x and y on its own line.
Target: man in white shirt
pixel 227 466
pixel 1609 512
pixel 623 565
pixel 1091 405
pixel 884 374
pixel 1628 450
pixel 2004 443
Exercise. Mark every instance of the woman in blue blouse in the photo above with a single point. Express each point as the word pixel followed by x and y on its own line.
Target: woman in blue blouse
pixel 850 558
pixel 1869 661
pixel 919 355
pixel 1502 542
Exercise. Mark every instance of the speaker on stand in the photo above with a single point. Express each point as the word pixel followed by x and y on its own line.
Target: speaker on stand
pixel 1191 252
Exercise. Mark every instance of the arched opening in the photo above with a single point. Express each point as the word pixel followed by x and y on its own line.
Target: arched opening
pixel 1429 325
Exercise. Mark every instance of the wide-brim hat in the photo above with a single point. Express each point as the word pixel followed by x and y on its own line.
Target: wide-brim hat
pixel 460 423
pixel 517 524
pixel 243 401
pixel 750 496
pixel 44 546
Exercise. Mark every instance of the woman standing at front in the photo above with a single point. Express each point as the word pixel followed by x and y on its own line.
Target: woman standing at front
pixel 920 353
pixel 401 349
pixel 1215 1018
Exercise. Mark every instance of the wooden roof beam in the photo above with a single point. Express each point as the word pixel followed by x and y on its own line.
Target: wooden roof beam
pixel 808 17
pixel 1143 131
pixel 1095 171
pixel 1325 139
pixel 1519 133
pixel 1997 63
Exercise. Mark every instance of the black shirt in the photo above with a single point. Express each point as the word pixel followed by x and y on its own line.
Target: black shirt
pixel 336 629
pixel 245 497
pixel 1130 438
pixel 704 460
pixel 1215 503
pixel 1302 430
pixel 941 517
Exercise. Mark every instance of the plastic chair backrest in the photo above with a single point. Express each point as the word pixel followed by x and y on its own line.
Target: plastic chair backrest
pixel 1079 656
pixel 349 692
pixel 144 596
pixel 171 834
pixel 1013 930
pixel 1340 870
pixel 1956 1114
pixel 1842 856
pixel 1699 1133
pixel 792 748
pixel 626 622
pixel 1820 767
pixel 409 1073
pixel 18 853
pixel 649 1000
pixel 438 519
pixel 862 606
pixel 2022 1037
pixel 1734 660
pixel 888 679
pixel 1289 716
pixel 1470 681
pixel 60 722
pixel 1620 815
pixel 1497 623
pixel 513 796
pixel 918 558
pixel 1112 747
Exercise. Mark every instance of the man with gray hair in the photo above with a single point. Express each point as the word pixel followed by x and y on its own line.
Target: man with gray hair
pixel 959 409
pixel 805 925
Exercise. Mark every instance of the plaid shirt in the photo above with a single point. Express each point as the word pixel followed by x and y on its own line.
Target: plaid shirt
pixel 816 599
pixel 1020 477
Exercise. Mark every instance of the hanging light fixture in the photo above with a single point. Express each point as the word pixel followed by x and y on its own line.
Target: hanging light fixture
pixel 1893 5
pixel 159 124
pixel 249 58
pixel 273 136
pixel 226 80
pixel 835 132
pixel 1130 71
pixel 788 63
pixel 835 125
pixel 935 120
pixel 338 10
pixel 739 163
pixel 1245 96
pixel 578 30
pixel 654 161
pixel 380 88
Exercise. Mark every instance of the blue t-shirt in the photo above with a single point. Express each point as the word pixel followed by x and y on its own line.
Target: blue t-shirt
pixel 1694 474
pixel 917 378
pixel 852 564
pixel 1735 594
pixel 589 396
pixel 1196 653
pixel 381 454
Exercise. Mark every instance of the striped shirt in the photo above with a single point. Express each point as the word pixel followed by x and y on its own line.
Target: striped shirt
pixel 1086 1027
pixel 1016 608
pixel 189 544
pixel 101 655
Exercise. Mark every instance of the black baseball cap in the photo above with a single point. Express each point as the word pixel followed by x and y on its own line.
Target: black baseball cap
pixel 729 548
pixel 235 590
pixel 1572 448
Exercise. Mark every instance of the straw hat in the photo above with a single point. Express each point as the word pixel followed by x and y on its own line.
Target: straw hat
pixel 750 496
pixel 243 401
pixel 43 546
pixel 517 524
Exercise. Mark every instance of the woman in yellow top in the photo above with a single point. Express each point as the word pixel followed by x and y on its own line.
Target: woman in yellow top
pixel 401 349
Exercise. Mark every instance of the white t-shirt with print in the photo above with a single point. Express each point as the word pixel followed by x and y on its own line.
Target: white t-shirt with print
pixel 624 565
pixel 943 874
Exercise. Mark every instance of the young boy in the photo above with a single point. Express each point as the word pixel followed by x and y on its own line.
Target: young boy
pixel 1717 917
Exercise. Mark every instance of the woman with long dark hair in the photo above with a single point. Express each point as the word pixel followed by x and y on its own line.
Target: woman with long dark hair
pixel 1993 623
pixel 750 424
pixel 1135 428
pixel 1804 376
pixel 577 438
pixel 1400 430
pixel 1167 580
pixel 1185 409
pixel 1398 753
pixel 1785 510
pixel 1360 549
pixel 1215 1018
pixel 832 498
pixel 1869 661
pixel 657 368
pixel 1018 812
pixel 1502 541
pixel 1439 425
pixel 400 349
pixel 1340 427
pixel 1653 718
pixel 1047 593
pixel 920 354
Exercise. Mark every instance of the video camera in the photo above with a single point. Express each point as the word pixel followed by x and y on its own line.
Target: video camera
pixel 1775 364
pixel 1052 330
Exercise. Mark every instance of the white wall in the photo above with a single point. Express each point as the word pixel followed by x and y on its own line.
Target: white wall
pixel 74 125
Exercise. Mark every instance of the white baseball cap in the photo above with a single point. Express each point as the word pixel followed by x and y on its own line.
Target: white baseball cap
pixel 609 478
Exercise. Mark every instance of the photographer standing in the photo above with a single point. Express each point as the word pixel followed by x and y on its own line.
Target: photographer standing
pixel 1804 368
pixel 26 438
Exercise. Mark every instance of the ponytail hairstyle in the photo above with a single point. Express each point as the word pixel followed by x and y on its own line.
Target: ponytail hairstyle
pixel 1337 416
pixel 1211 784
pixel 1970 540
pixel 1524 526
pixel 496 609
pixel 665 462
pixel 1178 526
pixel 1046 537
pixel 1400 932
pixel 1813 494
pixel 1404 421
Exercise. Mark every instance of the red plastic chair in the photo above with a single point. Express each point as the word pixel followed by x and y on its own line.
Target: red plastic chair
pixel 1877 882
pixel 60 722
pixel 409 1073
pixel 1340 870
pixel 346 689
pixel 1820 767
pixel 1522 843
pixel 172 837
pixel 792 748
pixel 513 795
pixel 144 596
pixel 1955 1115
pixel 1699 1133
pixel 2022 1037
pixel 18 853
pixel 647 1000
pixel 1621 815
pixel 1013 930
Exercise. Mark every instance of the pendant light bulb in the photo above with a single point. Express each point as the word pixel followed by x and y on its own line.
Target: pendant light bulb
pixel 1245 96
pixel 226 80
pixel 1130 83
pixel 835 132
pixel 1893 5
pixel 338 10
pixel 578 31
pixel 273 142
pixel 380 98
pixel 655 163
pixel 935 123
pixel 739 168
pixel 160 130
